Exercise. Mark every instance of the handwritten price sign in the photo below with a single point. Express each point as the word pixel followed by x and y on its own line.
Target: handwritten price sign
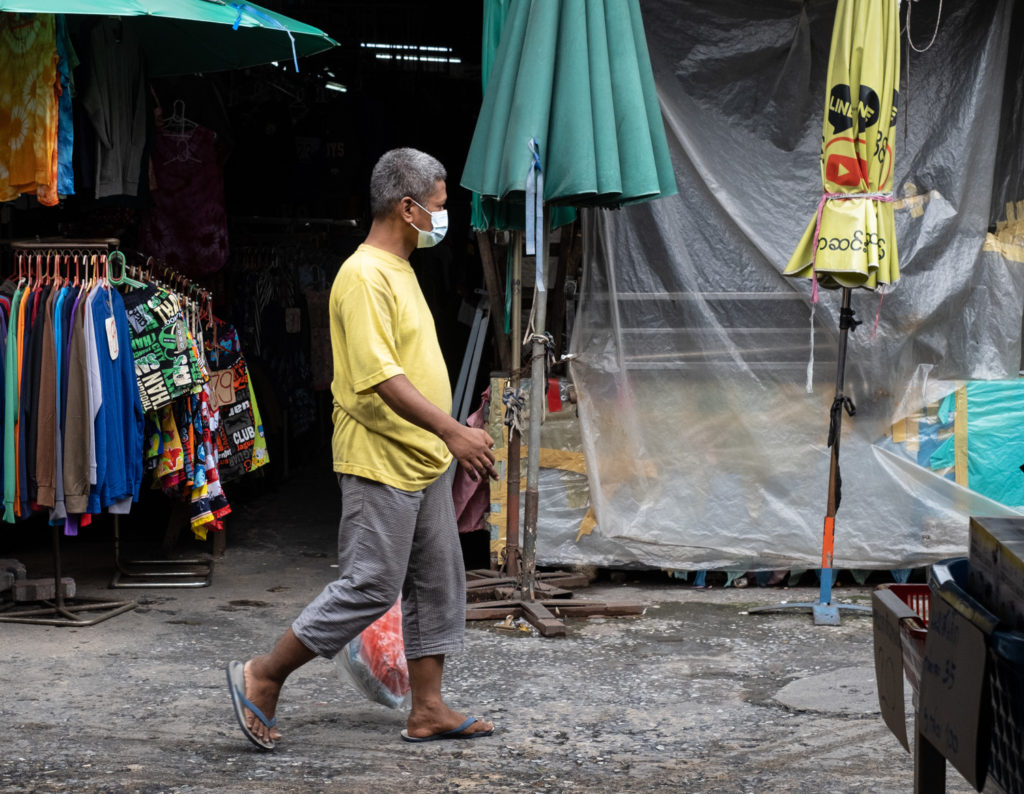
pixel 954 713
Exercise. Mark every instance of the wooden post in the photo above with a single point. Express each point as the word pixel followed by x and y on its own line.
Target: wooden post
pixel 569 254
pixel 496 297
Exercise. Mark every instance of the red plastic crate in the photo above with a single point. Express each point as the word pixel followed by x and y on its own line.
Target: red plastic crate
pixel 915 596
pixel 918 598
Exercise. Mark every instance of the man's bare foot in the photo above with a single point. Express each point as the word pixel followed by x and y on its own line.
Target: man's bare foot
pixel 424 723
pixel 262 693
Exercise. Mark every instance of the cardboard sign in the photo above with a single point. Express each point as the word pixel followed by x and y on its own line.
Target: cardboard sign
pixel 886 613
pixel 222 388
pixel 952 713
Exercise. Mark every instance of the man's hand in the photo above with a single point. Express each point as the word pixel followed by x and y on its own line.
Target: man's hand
pixel 471 447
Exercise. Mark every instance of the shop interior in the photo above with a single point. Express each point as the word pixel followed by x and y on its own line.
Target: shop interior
pixel 271 168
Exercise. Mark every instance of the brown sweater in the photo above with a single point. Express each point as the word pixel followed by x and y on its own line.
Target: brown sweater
pixel 78 424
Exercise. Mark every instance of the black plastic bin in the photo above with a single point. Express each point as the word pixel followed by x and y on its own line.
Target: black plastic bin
pixel 948 580
pixel 1006 678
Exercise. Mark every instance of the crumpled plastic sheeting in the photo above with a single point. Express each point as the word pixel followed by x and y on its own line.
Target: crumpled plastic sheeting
pixel 704 449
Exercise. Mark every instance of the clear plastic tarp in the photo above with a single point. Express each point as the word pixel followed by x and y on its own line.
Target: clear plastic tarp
pixel 703 447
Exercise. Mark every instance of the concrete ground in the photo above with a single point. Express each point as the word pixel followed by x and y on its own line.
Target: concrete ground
pixel 694 696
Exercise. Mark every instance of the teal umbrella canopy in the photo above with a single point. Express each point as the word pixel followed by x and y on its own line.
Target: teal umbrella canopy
pixel 190 36
pixel 575 76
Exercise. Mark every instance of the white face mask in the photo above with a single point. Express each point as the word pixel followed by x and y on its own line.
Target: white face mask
pixel 438 219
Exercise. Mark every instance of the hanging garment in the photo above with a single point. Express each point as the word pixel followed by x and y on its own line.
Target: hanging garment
pixel 187 225
pixel 34 383
pixel 25 325
pixel 67 62
pixel 115 100
pixel 200 512
pixel 11 407
pixel 120 420
pixel 472 498
pixel 211 420
pixel 170 470
pixel 59 513
pixel 78 427
pixel 4 315
pixel 167 364
pixel 28 107
pixel 45 463
pixel 241 443
pixel 95 391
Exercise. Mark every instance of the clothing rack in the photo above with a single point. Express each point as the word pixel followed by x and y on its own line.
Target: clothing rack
pixel 61 611
pixel 165 573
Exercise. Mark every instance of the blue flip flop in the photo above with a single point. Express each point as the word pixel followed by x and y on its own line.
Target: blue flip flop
pixel 454 733
pixel 236 685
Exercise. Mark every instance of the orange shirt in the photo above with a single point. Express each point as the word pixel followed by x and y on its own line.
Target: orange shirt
pixel 28 106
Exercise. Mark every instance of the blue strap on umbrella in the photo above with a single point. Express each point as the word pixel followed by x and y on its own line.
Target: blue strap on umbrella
pixel 245 8
pixel 535 211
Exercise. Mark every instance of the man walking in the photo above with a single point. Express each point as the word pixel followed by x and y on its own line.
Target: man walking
pixel 393 444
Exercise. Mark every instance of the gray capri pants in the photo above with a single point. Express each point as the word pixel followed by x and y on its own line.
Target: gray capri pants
pixel 392 541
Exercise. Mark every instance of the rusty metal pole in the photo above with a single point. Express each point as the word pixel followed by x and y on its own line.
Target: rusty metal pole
pixel 514 440
pixel 537 383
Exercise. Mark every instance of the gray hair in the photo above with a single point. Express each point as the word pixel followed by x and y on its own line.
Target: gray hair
pixel 400 173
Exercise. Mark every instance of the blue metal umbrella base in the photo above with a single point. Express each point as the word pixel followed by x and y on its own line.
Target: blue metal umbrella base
pixel 825 612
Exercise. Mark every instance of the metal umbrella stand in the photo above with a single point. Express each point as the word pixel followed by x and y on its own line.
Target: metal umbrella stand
pixel 542 599
pixel 825 612
pixel 570 118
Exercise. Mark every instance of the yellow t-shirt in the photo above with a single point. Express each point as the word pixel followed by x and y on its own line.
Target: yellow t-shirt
pixel 381 326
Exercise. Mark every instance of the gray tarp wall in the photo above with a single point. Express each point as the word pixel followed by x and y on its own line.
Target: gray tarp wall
pixel 703 447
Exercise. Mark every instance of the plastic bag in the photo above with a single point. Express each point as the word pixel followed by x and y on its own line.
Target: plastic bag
pixel 374 662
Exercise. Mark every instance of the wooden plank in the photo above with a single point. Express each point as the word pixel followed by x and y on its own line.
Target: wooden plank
pixel 494 612
pixel 483 584
pixel 565 580
pixel 581 608
pixel 542 619
pixel 481 594
pixel 497 604
pixel 545 591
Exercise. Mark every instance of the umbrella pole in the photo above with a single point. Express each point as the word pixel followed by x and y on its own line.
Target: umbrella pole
pixel 824 611
pixel 512 552
pixel 846 322
pixel 538 356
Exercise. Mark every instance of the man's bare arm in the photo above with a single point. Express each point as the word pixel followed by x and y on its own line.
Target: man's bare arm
pixel 471 446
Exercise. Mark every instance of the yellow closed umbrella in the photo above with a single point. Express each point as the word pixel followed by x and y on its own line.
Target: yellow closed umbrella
pixel 851 240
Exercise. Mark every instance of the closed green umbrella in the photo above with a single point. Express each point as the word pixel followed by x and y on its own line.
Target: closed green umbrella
pixel 191 36
pixel 570 118
pixel 576 76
